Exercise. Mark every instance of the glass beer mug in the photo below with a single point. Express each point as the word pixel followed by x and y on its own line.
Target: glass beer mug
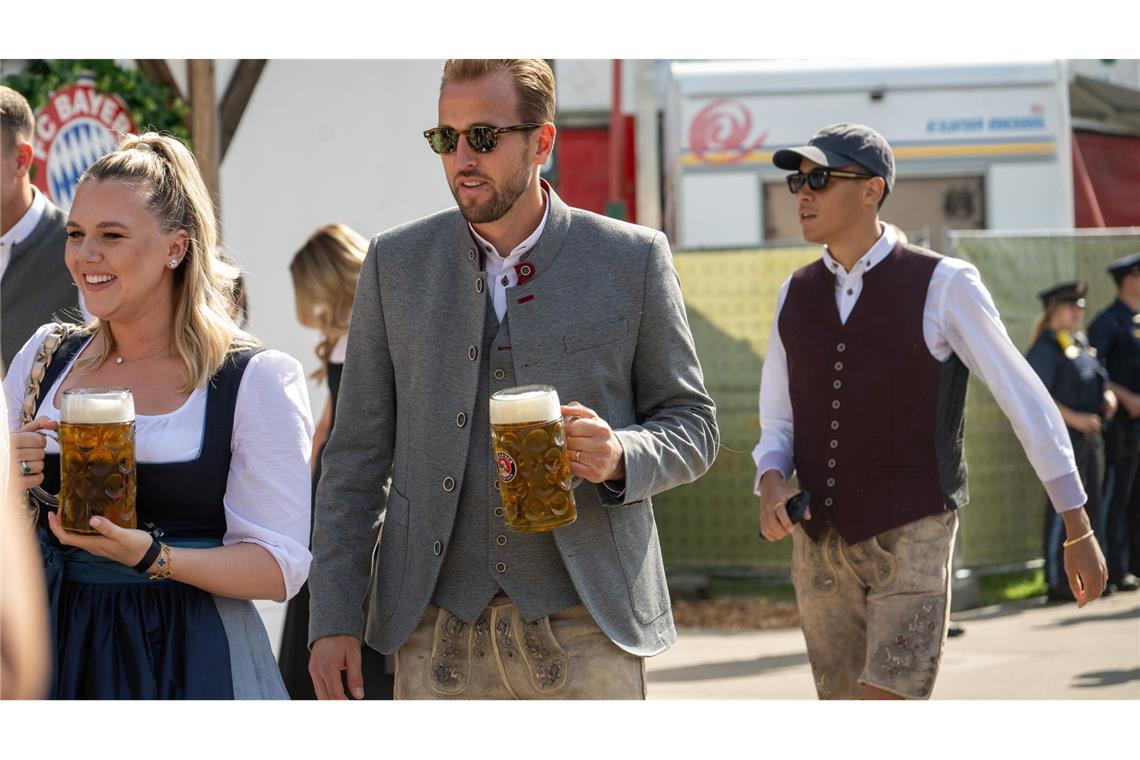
pixel 96 458
pixel 529 444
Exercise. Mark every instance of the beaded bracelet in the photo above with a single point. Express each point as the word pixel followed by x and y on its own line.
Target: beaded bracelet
pixel 1077 540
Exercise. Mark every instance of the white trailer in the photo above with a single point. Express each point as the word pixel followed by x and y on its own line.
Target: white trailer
pixel 977 145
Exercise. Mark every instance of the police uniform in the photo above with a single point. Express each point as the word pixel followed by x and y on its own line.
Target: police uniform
pixel 1069 368
pixel 1115 334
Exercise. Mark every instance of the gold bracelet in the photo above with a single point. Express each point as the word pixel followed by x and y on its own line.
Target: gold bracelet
pixel 165 564
pixel 1070 542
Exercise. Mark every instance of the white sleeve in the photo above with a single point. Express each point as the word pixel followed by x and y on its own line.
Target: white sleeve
pixel 974 330
pixel 774 451
pixel 16 381
pixel 269 488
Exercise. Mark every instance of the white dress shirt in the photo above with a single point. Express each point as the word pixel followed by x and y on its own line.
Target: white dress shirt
pixel 959 317
pixel 268 490
pixel 21 229
pixel 500 270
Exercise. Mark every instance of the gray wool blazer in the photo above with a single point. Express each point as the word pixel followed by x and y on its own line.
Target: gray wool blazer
pixel 602 320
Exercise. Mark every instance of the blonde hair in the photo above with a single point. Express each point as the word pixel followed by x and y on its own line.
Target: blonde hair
pixel 1043 320
pixel 324 272
pixel 534 82
pixel 204 329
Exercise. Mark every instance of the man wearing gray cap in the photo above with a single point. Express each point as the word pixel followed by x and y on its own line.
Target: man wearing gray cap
pixel 863 397
pixel 1115 334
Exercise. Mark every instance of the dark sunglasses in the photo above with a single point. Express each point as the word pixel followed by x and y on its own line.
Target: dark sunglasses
pixel 817 179
pixel 481 138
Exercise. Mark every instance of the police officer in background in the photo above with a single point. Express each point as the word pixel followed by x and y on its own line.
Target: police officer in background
pixel 1115 334
pixel 1059 353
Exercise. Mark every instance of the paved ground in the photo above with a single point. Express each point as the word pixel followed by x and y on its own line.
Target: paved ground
pixel 1021 651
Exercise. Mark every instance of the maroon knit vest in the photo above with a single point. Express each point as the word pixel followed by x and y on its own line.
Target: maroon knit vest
pixel 866 400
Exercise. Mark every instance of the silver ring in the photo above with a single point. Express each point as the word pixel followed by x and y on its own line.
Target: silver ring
pixel 25 467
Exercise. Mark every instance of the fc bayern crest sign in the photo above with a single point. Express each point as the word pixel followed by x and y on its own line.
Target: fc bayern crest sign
pixel 77 126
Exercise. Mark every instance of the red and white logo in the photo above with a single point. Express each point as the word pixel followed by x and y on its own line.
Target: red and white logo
pixel 506 466
pixel 77 126
pixel 720 133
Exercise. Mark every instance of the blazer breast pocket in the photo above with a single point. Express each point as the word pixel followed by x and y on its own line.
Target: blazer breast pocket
pixel 596 334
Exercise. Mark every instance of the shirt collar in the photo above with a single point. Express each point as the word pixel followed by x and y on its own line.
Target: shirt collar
pixel 491 256
pixel 21 229
pixel 883 246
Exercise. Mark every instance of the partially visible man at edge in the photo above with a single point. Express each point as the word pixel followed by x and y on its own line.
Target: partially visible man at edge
pixel 511 288
pixel 35 286
pixel 863 396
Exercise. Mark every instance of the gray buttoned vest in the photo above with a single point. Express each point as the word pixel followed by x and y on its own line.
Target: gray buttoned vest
pixel 482 554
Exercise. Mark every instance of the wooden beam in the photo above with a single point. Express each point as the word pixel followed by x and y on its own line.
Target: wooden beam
pixel 204 123
pixel 237 97
pixel 157 69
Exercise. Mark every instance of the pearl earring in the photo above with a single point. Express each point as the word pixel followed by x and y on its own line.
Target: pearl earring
pixel 173 263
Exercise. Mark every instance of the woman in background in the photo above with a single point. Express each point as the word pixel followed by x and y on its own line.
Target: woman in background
pixel 324 274
pixel 1060 355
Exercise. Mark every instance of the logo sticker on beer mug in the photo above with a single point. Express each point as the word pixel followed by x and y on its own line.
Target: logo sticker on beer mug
pixel 506 466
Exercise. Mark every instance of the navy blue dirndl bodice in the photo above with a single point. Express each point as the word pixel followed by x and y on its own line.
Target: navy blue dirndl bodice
pixel 117 634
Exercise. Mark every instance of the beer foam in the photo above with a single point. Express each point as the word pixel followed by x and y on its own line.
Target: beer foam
pixel 537 406
pixel 92 408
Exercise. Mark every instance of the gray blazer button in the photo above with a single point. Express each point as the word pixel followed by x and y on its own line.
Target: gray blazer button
pixel 499 374
pixel 472 352
pixel 461 419
pixel 449 484
pixel 437 547
pixel 501 540
pixel 479 285
pixel 501 567
pixel 498 510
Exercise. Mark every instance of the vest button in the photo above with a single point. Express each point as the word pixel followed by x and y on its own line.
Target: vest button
pixel 828 501
pixel 501 567
pixel 831 482
pixel 841 347
pixel 834 443
pixel 499 374
pixel 471 254
pixel 835 404
pixel 839 366
pixel 461 419
pixel 437 547
pixel 497 488
pixel 449 484
pixel 472 352
pixel 835 424
pixel 501 540
pixel 831 464
pixel 479 285
pixel 837 384
pixel 498 510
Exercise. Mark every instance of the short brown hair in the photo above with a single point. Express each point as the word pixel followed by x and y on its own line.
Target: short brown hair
pixel 16 120
pixel 534 81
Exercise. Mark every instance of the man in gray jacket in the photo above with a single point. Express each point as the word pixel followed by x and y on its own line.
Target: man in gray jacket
pixel 511 288
pixel 35 285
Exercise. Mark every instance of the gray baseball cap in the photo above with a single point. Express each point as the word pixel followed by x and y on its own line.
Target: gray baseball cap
pixel 842 144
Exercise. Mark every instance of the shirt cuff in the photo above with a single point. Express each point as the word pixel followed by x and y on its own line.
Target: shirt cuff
pixel 1066 492
pixel 773 460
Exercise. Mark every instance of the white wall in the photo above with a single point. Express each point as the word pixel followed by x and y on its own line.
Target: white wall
pixel 1024 197
pixel 323 142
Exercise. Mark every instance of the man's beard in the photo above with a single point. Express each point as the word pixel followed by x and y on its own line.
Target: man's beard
pixel 502 200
